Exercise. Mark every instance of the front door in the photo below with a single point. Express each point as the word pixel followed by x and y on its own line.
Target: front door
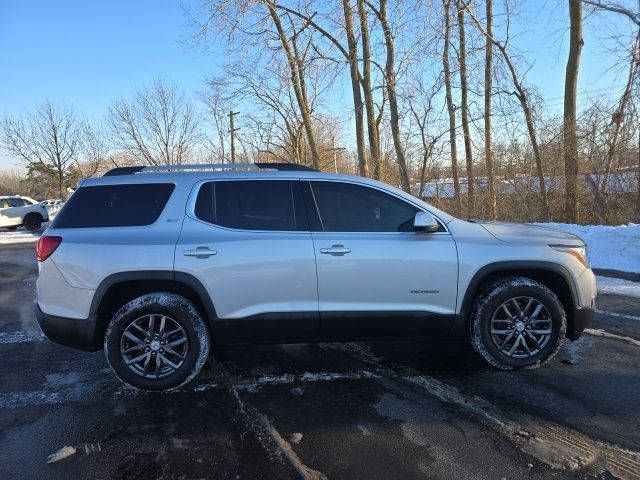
pixel 248 243
pixel 376 277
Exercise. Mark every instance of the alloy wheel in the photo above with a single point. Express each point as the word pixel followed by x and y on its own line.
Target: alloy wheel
pixel 154 346
pixel 521 327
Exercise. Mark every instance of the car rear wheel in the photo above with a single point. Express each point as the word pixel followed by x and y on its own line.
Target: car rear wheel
pixel 32 222
pixel 517 323
pixel 157 342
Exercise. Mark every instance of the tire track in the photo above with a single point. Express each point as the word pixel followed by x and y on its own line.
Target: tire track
pixel 555 445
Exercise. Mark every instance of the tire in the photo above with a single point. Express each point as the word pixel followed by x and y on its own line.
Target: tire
pixel 180 357
pixel 501 319
pixel 32 222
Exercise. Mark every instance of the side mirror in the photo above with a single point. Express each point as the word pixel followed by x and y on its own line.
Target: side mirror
pixel 425 222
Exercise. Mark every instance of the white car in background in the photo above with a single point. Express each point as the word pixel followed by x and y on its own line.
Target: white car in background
pixel 16 211
pixel 53 207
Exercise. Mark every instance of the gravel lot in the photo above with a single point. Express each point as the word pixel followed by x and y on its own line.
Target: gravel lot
pixel 357 410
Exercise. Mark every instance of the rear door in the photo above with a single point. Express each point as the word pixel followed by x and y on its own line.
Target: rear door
pixel 376 277
pixel 248 242
pixel 13 212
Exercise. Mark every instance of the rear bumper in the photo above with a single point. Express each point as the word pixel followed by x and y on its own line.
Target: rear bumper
pixel 582 317
pixel 72 332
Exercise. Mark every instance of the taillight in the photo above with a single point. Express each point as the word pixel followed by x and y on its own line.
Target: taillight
pixel 46 246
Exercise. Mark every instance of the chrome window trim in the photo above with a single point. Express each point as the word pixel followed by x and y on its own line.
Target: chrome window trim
pixel 393 194
pixel 195 189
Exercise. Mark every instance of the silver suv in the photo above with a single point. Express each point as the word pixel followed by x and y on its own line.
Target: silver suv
pixel 160 264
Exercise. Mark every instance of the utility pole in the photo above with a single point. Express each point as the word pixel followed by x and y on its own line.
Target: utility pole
pixel 335 153
pixel 233 130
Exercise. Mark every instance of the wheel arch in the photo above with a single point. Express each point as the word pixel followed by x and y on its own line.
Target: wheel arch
pixel 120 288
pixel 553 275
pixel 37 214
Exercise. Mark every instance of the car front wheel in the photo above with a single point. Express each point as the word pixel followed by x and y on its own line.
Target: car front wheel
pixel 517 323
pixel 157 342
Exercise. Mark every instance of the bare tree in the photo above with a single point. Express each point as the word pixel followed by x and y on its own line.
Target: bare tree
pixel 47 141
pixel 10 182
pixel 217 118
pixel 350 56
pixel 372 125
pixel 392 94
pixel 450 106
pixel 95 149
pixel 354 73
pixel 615 7
pixel 297 70
pixel 618 116
pixel 488 92
pixel 464 107
pixel 571 166
pixel 159 125
pixel 525 103
pixel 423 108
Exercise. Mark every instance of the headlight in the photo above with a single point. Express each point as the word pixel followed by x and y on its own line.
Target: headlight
pixel 578 252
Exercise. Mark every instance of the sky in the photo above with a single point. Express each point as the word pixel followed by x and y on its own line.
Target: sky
pixel 88 53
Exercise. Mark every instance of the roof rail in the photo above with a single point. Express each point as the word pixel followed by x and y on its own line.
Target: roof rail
pixel 208 167
pixel 285 167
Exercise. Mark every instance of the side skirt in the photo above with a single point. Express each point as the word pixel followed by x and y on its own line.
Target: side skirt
pixel 312 327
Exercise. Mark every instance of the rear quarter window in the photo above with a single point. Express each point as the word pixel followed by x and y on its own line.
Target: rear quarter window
pixel 114 206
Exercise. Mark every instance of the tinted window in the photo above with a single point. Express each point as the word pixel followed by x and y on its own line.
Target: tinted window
pixel 345 207
pixel 250 205
pixel 3 203
pixel 114 206
pixel 16 202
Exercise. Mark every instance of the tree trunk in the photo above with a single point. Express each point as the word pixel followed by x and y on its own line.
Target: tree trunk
pixel 521 95
pixel 637 213
pixel 451 108
pixel 298 87
pixel 390 77
pixel 488 83
pixel 62 191
pixel 372 127
pixel 569 127
pixel 464 107
pixel 354 72
pixel 618 116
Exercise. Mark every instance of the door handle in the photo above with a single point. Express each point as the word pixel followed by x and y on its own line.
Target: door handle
pixel 336 250
pixel 200 252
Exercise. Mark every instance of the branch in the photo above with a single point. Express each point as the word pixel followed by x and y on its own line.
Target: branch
pixel 615 8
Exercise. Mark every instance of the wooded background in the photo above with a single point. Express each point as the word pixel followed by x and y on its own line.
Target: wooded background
pixel 427 95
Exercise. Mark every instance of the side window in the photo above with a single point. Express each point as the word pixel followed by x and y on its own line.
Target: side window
pixel 345 207
pixel 251 205
pixel 3 203
pixel 16 202
pixel 126 205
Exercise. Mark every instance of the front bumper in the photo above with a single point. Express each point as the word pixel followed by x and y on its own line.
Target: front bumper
pixel 72 332
pixel 582 317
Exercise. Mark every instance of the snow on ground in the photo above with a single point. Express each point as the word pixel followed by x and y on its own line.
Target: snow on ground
pixel 617 286
pixel 610 247
pixel 18 236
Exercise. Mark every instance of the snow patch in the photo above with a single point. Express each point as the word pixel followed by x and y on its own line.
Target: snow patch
pixel 61 454
pixel 618 286
pixel 574 350
pixel 19 337
pixel 601 333
pixel 610 247
pixel 20 235
pixel 619 315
